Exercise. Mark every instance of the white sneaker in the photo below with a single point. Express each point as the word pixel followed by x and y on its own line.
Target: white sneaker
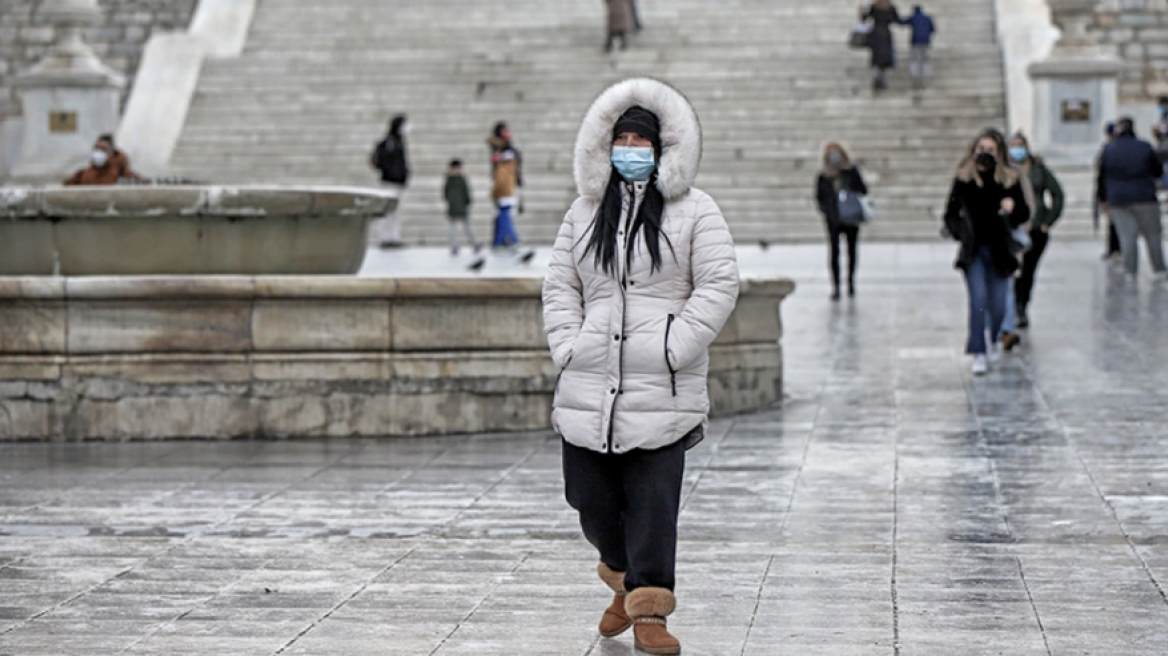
pixel 995 352
pixel 980 366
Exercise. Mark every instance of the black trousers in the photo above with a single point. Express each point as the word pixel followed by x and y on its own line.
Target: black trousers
pixel 1024 283
pixel 852 233
pixel 628 505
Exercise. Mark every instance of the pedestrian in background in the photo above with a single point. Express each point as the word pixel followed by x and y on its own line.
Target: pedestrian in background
pixel 620 23
pixel 507 178
pixel 643 276
pixel 107 166
pixel 837 187
pixel 1111 250
pixel 883 15
pixel 923 29
pixel 1047 209
pixel 390 159
pixel 456 191
pixel 1128 173
pixel 985 205
pixel 1160 132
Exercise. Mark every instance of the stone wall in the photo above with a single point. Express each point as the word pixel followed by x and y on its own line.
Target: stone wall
pixel 119 40
pixel 1138 30
pixel 330 356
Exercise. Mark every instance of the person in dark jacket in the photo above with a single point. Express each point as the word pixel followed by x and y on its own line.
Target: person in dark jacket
pixel 390 159
pixel 986 203
pixel 1043 217
pixel 838 177
pixel 923 29
pixel 456 191
pixel 883 15
pixel 1128 172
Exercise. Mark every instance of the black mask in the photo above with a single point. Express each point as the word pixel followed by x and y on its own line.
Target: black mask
pixel 986 161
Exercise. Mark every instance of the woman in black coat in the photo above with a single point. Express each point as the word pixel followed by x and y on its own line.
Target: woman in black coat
pixel 987 202
pixel 839 176
pixel 883 15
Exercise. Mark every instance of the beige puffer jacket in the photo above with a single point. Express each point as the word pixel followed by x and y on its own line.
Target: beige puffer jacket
pixel 634 357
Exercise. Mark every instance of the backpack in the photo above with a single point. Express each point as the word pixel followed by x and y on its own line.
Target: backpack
pixel 391 161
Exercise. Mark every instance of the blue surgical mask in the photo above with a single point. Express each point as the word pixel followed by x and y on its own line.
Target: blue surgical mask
pixel 1019 153
pixel 635 164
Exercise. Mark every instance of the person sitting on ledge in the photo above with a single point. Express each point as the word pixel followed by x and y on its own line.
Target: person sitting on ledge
pixel 107 165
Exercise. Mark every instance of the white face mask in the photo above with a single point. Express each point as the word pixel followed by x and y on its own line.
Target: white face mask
pixel 98 158
pixel 405 129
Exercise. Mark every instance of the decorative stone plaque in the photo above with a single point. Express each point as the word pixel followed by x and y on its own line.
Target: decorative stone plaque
pixel 63 122
pixel 1076 111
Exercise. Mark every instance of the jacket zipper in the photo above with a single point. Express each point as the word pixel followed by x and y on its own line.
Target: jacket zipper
pixel 672 372
pixel 624 308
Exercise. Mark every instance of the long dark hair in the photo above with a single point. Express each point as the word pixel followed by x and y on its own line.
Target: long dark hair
pixel 606 226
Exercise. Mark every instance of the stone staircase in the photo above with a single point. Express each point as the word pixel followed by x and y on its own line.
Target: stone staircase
pixel 771 79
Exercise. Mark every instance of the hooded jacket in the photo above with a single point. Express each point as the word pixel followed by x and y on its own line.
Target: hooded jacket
pixel 633 347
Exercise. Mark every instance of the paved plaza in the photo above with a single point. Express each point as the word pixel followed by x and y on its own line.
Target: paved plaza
pixel 893 505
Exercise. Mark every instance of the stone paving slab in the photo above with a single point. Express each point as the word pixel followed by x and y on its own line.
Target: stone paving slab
pixel 893 505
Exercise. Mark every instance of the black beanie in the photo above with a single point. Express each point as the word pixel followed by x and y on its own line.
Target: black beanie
pixel 642 122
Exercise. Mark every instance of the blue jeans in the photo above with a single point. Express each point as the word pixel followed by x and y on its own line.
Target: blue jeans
pixel 1010 321
pixel 505 234
pixel 987 299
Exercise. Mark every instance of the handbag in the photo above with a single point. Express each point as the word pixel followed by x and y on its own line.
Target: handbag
pixel 850 208
pixel 1020 241
pixel 861 36
pixel 869 209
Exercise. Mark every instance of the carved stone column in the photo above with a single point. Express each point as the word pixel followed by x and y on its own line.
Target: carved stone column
pixel 69 98
pixel 1075 89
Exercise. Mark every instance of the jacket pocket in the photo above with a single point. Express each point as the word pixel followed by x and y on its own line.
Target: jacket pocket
pixel 668 364
pixel 556 391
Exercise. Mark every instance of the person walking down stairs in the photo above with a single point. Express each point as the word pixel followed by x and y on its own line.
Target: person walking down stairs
pixel 837 190
pixel 883 15
pixel 986 203
pixel 923 29
pixel 620 23
pixel 390 159
pixel 642 278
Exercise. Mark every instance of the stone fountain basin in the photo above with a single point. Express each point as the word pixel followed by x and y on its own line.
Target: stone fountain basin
pixel 186 230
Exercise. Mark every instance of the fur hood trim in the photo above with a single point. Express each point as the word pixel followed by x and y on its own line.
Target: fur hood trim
pixel 681 137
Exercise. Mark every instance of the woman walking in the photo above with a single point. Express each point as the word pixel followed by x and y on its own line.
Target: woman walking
pixel 987 202
pixel 642 277
pixel 836 191
pixel 507 174
pixel 1043 218
pixel 390 159
pixel 883 15
pixel 620 23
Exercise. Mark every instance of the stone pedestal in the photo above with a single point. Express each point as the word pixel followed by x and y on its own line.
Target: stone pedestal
pixel 68 99
pixel 1075 89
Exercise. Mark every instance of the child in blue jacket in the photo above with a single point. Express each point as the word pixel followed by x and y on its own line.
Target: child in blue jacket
pixel 923 30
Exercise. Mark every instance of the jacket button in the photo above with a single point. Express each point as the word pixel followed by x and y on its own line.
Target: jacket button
pixel 616 337
pixel 612 391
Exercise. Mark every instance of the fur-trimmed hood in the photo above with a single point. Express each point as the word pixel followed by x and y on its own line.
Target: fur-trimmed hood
pixel 681 137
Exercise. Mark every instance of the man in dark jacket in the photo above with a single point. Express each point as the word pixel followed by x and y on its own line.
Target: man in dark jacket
pixel 923 30
pixel 1128 171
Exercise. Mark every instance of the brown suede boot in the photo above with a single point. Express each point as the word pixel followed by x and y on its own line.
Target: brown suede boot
pixel 649 607
pixel 615 621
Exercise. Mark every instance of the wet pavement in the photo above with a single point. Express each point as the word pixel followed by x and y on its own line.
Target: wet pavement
pixel 893 505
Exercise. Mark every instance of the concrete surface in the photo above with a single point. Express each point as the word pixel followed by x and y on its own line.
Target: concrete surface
pixel 893 506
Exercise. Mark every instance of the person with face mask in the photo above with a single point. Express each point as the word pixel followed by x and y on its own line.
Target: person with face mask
pixel 1048 201
pixel 839 178
pixel 986 203
pixel 643 276
pixel 107 165
pixel 391 160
